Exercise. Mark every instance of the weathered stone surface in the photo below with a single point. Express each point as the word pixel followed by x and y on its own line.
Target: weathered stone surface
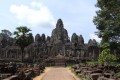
pixel 59 34
pixel 74 38
pixel 43 38
pixel 37 38
pixel 80 40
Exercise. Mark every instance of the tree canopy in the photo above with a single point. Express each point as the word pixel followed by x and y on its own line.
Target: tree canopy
pixel 23 37
pixel 107 21
pixel 6 37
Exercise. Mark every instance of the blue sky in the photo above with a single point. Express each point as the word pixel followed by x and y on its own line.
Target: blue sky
pixel 41 16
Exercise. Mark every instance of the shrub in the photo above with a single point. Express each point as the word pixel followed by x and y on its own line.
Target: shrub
pixel 106 57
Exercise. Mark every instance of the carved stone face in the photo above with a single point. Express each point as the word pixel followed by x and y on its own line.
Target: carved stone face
pixel 59 26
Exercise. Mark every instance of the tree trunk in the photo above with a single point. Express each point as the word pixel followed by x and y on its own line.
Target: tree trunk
pixel 22 53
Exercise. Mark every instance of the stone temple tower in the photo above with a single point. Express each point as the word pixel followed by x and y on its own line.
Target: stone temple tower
pixel 58 38
pixel 59 34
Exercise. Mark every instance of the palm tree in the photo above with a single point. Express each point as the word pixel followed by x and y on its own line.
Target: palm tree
pixel 22 37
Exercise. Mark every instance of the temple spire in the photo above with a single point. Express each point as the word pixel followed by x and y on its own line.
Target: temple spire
pixel 59 23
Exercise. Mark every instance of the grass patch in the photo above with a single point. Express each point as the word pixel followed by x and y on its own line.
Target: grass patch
pixel 87 78
pixel 118 74
pixel 92 62
pixel 73 73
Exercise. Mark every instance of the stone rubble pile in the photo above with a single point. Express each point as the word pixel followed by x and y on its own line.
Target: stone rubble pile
pixel 20 71
pixel 96 72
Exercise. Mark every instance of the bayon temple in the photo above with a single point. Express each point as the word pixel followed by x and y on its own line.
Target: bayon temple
pixel 50 48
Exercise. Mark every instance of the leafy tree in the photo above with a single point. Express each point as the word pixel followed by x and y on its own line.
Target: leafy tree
pixel 23 37
pixel 106 57
pixel 107 22
pixel 104 45
pixel 6 33
pixel 6 37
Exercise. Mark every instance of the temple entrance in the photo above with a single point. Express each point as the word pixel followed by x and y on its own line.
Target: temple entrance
pixel 60 61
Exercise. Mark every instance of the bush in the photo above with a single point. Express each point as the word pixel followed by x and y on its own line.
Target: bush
pixel 106 57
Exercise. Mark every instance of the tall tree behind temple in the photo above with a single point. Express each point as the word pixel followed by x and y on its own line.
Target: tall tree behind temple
pixel 107 22
pixel 6 38
pixel 23 37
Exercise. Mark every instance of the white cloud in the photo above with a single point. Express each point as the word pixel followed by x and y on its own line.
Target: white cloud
pixel 36 15
pixel 93 36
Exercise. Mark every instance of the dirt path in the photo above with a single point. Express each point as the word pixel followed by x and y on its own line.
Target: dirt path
pixel 58 74
pixel 41 75
pixel 52 73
